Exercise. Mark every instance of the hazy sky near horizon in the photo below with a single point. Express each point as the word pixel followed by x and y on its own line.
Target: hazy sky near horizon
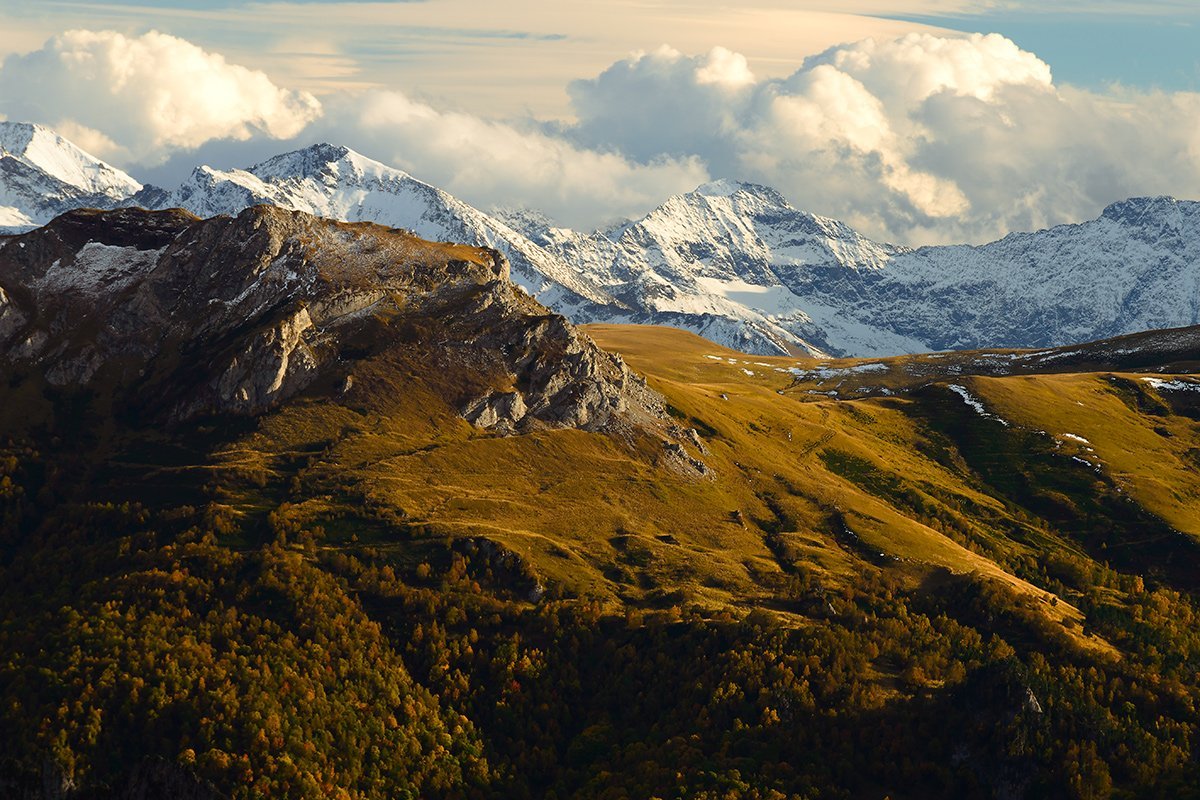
pixel 519 55
pixel 895 115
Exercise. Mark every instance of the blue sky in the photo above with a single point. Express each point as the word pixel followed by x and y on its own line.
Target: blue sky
pixel 1098 43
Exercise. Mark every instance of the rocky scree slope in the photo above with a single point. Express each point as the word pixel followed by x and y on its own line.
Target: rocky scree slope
pixel 180 317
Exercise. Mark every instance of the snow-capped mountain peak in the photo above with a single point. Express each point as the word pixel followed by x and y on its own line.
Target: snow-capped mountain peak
pixel 328 180
pixel 1135 210
pixel 726 187
pixel 42 175
pixel 738 263
pixel 732 261
pixel 728 260
pixel 328 163
pixel 323 179
pixel 43 149
pixel 723 208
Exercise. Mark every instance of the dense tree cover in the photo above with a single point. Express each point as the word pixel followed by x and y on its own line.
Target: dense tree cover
pixel 255 669
pixel 267 659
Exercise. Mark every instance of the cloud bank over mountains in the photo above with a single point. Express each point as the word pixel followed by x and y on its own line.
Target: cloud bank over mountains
pixel 920 139
pixel 137 100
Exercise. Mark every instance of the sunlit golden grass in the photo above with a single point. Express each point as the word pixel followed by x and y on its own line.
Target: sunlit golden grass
pixel 1146 454
pixel 796 480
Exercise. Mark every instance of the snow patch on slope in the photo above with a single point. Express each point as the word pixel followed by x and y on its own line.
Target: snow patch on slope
pixel 1175 385
pixel 13 220
pixel 99 268
pixel 974 403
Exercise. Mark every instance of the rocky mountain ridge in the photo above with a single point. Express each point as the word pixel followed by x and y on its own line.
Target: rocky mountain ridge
pixel 736 263
pixel 722 261
pixel 811 282
pixel 335 182
pixel 181 317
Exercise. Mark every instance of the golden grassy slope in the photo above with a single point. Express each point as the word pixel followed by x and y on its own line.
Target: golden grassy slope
pixel 1147 455
pixel 767 439
pixel 796 479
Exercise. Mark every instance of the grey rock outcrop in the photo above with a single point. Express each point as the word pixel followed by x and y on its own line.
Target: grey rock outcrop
pixel 185 317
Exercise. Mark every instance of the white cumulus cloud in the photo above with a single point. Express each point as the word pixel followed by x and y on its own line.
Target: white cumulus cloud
pixel 141 98
pixel 913 68
pixel 665 103
pixel 918 139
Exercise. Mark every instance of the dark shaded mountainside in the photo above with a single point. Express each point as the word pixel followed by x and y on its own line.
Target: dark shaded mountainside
pixel 293 507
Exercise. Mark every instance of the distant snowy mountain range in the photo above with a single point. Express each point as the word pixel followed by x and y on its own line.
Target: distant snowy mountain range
pixel 731 261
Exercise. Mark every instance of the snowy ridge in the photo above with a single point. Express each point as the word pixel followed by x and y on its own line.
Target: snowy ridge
pixel 335 182
pixel 44 149
pixel 42 175
pixel 1136 267
pixel 740 252
pixel 727 251
pixel 731 261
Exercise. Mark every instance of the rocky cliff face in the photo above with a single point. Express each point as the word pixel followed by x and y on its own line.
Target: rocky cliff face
pixel 183 317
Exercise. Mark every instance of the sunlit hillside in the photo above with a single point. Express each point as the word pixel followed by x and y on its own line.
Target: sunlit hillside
pixel 952 581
